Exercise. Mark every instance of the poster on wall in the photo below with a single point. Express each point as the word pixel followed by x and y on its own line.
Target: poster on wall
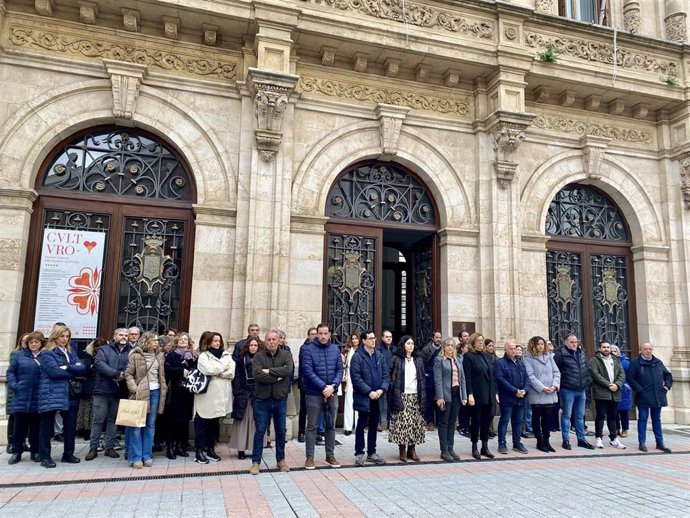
pixel 69 281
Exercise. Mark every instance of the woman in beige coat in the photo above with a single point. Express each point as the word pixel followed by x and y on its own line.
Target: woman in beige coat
pixel 145 377
pixel 216 402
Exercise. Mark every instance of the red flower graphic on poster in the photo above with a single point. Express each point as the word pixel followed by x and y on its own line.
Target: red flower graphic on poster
pixel 85 290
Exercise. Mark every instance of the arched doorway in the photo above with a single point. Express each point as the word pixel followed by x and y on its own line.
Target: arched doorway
pixel 589 270
pixel 382 254
pixel 112 232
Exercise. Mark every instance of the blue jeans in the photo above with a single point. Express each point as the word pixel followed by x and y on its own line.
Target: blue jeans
pixel 527 416
pixel 512 414
pixel 573 401
pixel 264 409
pixel 140 440
pixel 642 415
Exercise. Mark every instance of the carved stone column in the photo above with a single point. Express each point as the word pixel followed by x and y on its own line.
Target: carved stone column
pixel 546 6
pixel 391 119
pixel 507 131
pixel 593 152
pixel 271 92
pixel 126 79
pixel 684 161
pixel 677 27
pixel 631 16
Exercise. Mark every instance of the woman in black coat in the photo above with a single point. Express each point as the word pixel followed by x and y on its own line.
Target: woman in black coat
pixel 481 393
pixel 407 400
pixel 180 402
pixel 243 393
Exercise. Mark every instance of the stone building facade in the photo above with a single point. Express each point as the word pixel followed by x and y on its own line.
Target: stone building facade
pixel 516 167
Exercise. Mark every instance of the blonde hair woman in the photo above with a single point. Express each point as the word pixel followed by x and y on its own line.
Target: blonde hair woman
pixel 451 392
pixel 145 377
pixel 481 393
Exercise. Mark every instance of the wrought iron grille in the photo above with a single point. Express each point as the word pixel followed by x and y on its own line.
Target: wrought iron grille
pixel 580 211
pixel 380 193
pixel 150 281
pixel 423 297
pixel 610 297
pixel 564 288
pixel 351 287
pixel 119 161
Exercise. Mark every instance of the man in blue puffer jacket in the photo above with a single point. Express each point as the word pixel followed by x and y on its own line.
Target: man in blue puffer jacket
pixel 322 372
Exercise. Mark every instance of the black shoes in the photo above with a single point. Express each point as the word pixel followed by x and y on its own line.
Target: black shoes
pixel 110 452
pixel 301 437
pixel 486 453
pixel 48 463
pixel 170 454
pixel 502 449
pixel 585 445
pixel 36 457
pixel 566 445
pixel 180 451
pixel 345 433
pixel 212 455
pixel 643 448
pixel 16 457
pixel 663 448
pixel 241 455
pixel 446 457
pixel 475 452
pixel 549 447
pixel 70 459
pixel 527 435
pixel 91 455
pixel 320 439
pixel 520 448
pixel 200 458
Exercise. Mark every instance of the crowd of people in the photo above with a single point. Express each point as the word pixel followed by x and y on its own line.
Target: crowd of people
pixel 409 390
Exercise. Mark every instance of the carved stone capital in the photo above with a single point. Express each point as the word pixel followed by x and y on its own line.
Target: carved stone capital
pixel 593 151
pixel 360 61
pixel 126 79
pixel 328 56
pixel 130 19
pixel 546 6
pixel 507 130
pixel 391 118
pixel 451 78
pixel 271 92
pixel 677 27
pixel 684 161
pixel 392 67
pixel 631 16
pixel 44 7
pixel 171 26
pixel 88 12
pixel 210 34
pixel 422 73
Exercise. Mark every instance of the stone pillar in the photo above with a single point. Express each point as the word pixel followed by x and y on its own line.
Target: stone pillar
pixel 546 6
pixel 631 16
pixel 676 21
pixel 16 206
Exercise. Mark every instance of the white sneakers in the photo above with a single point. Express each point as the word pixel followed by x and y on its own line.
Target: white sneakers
pixel 599 444
pixel 617 444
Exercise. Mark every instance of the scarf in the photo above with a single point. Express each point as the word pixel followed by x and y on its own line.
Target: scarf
pixel 186 354
pixel 216 352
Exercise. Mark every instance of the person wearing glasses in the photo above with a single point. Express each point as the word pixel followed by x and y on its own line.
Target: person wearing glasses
pixel 369 375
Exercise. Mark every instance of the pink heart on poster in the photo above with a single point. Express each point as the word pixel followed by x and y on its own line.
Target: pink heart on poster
pixel 90 245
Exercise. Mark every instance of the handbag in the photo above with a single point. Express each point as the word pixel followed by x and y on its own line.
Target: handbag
pixel 196 382
pixel 131 412
pixel 76 387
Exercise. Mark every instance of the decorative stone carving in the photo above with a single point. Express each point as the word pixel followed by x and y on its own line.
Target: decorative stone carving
pixel 508 132
pixel 511 32
pixel 391 118
pixel 126 79
pixel 567 97
pixel 677 29
pixel 392 67
pixel 422 72
pixel 359 92
pixel 44 7
pixel 88 11
pixel 210 34
pixel 451 78
pixel 360 61
pixel 542 93
pixel 617 106
pixel 171 26
pixel 593 151
pixel 602 53
pixel 684 161
pixel 546 6
pixel 99 48
pixel 130 19
pixel 640 111
pixel 631 16
pixel 592 102
pixel 585 127
pixel 327 56
pixel 271 91
pixel 415 14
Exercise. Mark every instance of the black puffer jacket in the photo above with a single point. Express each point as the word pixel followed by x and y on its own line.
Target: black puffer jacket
pixel 243 387
pixel 397 386
pixel 574 374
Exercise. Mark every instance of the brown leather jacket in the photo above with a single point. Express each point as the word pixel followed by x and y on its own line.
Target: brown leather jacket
pixel 138 379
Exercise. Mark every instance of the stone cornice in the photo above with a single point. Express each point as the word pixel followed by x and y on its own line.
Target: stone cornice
pixel 305 224
pixel 215 216
pixel 651 253
pixel 458 237
pixel 566 123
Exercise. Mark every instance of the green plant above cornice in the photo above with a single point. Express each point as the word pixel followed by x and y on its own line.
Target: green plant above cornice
pixel 549 55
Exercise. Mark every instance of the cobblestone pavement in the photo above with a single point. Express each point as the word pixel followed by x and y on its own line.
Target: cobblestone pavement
pixel 578 483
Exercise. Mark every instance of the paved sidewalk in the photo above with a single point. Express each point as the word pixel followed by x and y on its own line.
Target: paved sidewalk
pixel 568 483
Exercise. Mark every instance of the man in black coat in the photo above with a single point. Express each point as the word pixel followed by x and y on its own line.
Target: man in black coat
pixel 650 380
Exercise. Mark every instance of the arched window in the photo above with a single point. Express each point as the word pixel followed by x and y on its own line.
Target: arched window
pixel 589 269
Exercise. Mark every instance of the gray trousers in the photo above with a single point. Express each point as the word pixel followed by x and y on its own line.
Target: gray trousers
pixel 104 412
pixel 314 409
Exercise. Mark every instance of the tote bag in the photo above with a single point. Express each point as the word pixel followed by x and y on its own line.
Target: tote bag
pixel 131 412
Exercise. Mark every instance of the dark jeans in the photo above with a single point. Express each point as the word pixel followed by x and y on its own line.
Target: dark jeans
pixel 26 424
pixel 446 422
pixel 205 432
pixel 175 432
pixel 464 417
pixel 302 419
pixel 643 413
pixel 554 420
pixel 10 428
pixel 314 410
pixel 480 419
pixel 512 414
pixel 104 413
pixel 264 409
pixel 623 420
pixel 605 409
pixel 69 430
pixel 371 420
pixel 541 422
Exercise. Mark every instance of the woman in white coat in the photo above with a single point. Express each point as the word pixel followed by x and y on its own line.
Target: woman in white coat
pixel 349 414
pixel 216 402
